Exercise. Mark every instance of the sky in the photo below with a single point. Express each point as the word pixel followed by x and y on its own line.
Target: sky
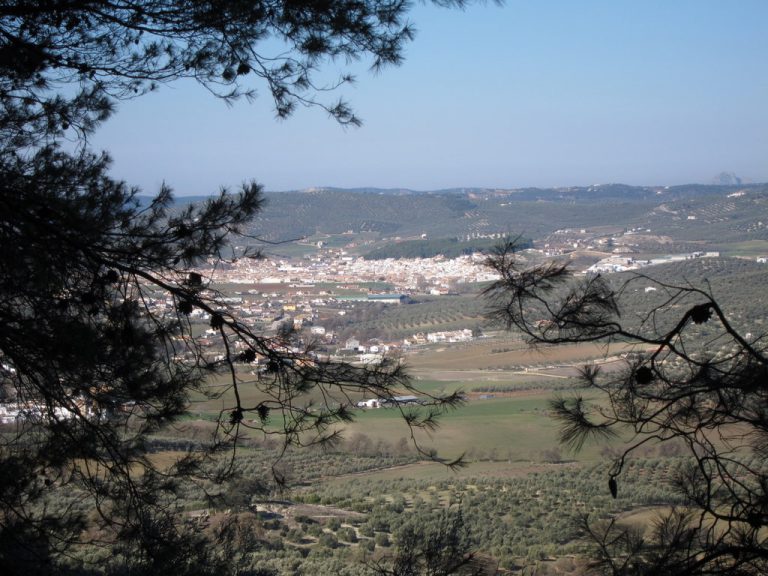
pixel 538 93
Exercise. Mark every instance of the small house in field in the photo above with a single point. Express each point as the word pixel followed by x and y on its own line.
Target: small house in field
pixel 388 402
pixel 352 344
pixel 371 403
pixel 399 401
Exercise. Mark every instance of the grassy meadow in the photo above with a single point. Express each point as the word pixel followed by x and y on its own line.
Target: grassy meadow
pixel 504 423
pixel 507 429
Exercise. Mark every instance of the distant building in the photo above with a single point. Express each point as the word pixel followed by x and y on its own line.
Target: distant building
pixel 371 403
pixel 368 358
pixel 388 298
pixel 388 402
pixel 352 344
pixel 450 336
pixel 399 400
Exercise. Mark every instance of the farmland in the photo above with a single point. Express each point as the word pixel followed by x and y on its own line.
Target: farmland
pixel 333 510
pixel 520 495
pixel 350 503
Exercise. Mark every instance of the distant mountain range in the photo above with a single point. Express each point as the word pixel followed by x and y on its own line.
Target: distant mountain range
pixel 687 214
pixel 533 212
pixel 723 183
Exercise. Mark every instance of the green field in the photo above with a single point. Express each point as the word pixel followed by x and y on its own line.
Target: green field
pixel 505 417
pixel 749 248
pixel 504 430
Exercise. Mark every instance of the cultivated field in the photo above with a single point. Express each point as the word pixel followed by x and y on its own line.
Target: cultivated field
pixel 505 422
pixel 511 354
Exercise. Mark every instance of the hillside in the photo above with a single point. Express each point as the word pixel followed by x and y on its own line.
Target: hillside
pixel 448 247
pixel 686 216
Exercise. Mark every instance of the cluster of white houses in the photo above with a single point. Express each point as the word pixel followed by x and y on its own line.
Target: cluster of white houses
pixel 622 263
pixel 389 402
pixel 434 275
pixel 464 335
pixel 14 412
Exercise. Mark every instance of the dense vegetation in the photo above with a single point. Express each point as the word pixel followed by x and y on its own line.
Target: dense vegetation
pixel 335 521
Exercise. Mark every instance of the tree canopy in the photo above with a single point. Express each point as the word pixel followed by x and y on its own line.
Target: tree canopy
pixel 97 349
pixel 64 62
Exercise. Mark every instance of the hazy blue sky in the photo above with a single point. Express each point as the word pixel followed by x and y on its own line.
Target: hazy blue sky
pixel 534 93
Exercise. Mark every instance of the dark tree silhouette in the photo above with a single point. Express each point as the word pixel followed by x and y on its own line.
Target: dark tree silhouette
pixel 104 50
pixel 97 351
pixel 693 379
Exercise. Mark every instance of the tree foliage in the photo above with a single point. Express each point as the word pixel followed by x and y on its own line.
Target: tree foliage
pixel 97 349
pixel 694 379
pixel 62 62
